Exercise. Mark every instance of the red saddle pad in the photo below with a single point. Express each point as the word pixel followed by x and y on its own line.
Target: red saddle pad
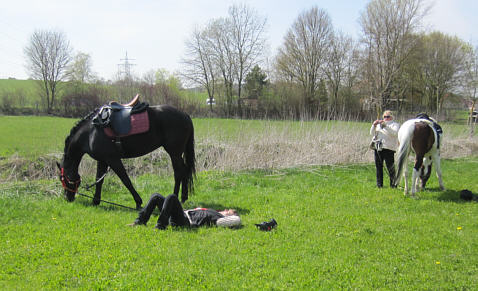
pixel 139 124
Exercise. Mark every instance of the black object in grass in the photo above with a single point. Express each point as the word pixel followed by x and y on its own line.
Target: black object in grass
pixel 267 225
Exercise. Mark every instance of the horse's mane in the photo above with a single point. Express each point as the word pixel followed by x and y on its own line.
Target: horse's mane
pixel 78 125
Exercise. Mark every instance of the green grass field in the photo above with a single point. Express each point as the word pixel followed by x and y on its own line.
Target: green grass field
pixel 336 230
pixel 22 93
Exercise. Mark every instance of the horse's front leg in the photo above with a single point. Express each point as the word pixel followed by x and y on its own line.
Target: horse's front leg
pixel 101 168
pixel 416 173
pixel 119 169
pixel 436 159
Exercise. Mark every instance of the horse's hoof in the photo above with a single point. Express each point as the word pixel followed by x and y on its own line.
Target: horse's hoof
pixel 138 207
pixel 96 201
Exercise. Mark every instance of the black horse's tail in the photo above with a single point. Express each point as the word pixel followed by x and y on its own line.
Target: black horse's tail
pixel 190 161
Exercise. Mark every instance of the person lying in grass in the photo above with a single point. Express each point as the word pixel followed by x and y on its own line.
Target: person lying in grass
pixel 172 213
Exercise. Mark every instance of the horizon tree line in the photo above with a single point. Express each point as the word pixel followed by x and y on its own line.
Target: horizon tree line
pixel 317 71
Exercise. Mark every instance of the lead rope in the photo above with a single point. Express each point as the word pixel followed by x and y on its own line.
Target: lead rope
pixel 87 187
pixel 112 203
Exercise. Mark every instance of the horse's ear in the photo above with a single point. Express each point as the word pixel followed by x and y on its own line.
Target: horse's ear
pixel 58 165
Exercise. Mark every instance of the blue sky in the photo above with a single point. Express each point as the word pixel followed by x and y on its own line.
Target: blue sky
pixel 153 32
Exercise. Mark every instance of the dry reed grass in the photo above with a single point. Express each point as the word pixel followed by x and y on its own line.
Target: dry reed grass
pixel 270 147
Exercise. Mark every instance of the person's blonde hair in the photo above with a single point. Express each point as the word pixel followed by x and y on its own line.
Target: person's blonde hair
pixel 387 112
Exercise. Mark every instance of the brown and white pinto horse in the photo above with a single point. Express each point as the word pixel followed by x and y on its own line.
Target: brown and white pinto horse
pixel 419 136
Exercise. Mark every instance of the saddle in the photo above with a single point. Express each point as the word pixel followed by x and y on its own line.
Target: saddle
pixel 435 125
pixel 120 120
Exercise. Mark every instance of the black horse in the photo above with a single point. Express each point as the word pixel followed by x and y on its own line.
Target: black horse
pixel 168 127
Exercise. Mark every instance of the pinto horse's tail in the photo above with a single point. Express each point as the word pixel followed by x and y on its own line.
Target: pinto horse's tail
pixel 190 161
pixel 405 135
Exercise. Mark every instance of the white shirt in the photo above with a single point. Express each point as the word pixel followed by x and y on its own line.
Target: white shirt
pixel 387 131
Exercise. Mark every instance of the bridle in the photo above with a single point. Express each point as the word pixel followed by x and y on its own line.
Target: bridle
pixel 67 184
pixel 73 186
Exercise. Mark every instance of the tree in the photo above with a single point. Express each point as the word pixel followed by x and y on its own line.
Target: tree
pixel 48 54
pixel 338 66
pixel 80 69
pixel 389 28
pixel 247 38
pixel 221 55
pixel 470 88
pixel 443 67
pixel 199 67
pixel 302 55
pixel 256 79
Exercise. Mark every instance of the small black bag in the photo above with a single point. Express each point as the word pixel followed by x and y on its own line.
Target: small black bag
pixel 267 225
pixel 376 144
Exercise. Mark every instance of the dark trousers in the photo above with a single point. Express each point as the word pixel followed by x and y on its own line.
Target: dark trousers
pixel 171 211
pixel 387 156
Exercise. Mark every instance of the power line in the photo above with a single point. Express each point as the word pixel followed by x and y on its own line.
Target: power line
pixel 124 69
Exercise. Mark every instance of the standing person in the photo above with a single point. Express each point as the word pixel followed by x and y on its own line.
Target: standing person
pixel 385 133
pixel 172 213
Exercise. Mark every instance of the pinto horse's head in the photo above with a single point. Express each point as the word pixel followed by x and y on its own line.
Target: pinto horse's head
pixel 425 172
pixel 70 184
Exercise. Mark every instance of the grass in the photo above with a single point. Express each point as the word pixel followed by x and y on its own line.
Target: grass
pixel 24 93
pixel 336 231
pixel 33 144
pixel 33 136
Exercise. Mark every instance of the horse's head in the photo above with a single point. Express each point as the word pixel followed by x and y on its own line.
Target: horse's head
pixel 425 171
pixel 69 183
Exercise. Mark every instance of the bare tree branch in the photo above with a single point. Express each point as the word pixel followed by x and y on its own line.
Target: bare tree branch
pixel 48 55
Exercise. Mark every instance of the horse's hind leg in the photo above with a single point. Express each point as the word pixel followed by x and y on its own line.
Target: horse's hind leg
pixel 436 159
pixel 415 176
pixel 101 168
pixel 416 173
pixel 179 177
pixel 119 169
pixel 405 177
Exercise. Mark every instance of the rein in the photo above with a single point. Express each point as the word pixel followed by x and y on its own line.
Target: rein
pixel 76 184
pixel 112 203
pixel 87 187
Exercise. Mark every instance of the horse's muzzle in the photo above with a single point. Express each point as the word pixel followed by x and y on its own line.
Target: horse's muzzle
pixel 70 196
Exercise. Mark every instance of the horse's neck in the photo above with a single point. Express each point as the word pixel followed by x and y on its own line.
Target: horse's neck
pixel 74 153
pixel 72 163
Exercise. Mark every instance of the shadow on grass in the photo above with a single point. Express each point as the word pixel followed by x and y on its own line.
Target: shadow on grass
pixel 450 195
pixel 87 201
